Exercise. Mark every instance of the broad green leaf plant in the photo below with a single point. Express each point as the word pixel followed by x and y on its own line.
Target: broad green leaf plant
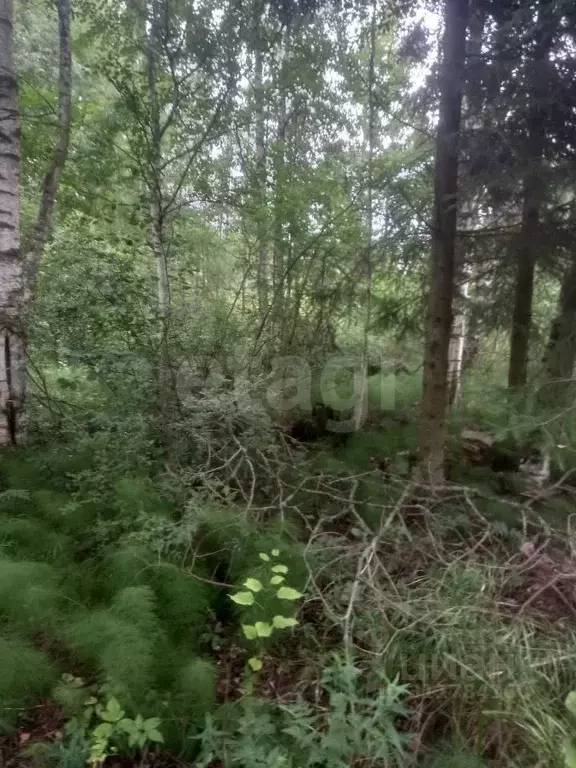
pixel 115 726
pixel 273 584
pixel 105 727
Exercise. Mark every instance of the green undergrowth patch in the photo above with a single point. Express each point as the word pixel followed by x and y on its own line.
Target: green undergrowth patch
pixel 122 589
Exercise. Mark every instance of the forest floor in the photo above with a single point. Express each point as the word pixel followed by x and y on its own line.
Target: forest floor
pixel 466 596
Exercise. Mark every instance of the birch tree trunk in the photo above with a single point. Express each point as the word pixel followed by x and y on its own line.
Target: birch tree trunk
pixel 260 145
pixel 34 248
pixel 439 313
pixel 165 375
pixel 280 181
pixel 155 174
pixel 473 106
pixel 12 334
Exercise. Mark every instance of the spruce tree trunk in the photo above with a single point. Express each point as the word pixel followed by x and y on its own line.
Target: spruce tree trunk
pixel 532 199
pixel 560 356
pixel 12 334
pixel 439 313
pixel 524 290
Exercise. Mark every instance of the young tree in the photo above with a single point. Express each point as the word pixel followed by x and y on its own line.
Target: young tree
pixel 439 312
pixel 34 247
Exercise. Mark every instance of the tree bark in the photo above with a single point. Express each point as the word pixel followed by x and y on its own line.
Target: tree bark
pixel 155 181
pixel 560 356
pixel 12 333
pixel 532 199
pixel 260 145
pixel 165 375
pixel 458 338
pixel 439 313
pixel 361 405
pixel 472 109
pixel 34 248
pixel 524 289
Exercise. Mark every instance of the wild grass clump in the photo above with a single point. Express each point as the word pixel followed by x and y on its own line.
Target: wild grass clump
pixel 492 681
pixel 441 596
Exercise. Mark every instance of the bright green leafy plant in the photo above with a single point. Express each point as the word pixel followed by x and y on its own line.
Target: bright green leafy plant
pixel 115 728
pixel 271 586
pixel 105 727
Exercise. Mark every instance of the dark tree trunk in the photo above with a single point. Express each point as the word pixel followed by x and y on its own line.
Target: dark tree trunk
pixel 560 354
pixel 524 290
pixel 529 238
pixel 439 314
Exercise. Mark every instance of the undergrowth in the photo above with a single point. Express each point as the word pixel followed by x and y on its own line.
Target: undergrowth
pixel 123 579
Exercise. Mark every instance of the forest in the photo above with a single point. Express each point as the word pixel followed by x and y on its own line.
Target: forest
pixel 288 339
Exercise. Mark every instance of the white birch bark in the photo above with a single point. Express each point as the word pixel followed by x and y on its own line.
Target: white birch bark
pixel 12 336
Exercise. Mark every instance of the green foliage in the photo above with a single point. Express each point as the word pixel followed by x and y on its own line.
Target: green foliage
pixel 569 747
pixel 114 728
pixel 26 674
pixel 263 595
pixel 133 621
pixel 357 725
pixel 29 595
pixel 99 724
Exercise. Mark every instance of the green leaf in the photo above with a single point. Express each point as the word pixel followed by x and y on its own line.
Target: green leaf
pixel 151 730
pixel 253 584
pixel 275 553
pixel 243 598
pixel 571 702
pixel 280 569
pixel 255 664
pixel 283 622
pixel 263 628
pixel 103 731
pixel 287 593
pixel 113 711
pixel 263 556
pixel 276 579
pixel 250 631
pixel 155 735
pixel 569 754
pixel 128 726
